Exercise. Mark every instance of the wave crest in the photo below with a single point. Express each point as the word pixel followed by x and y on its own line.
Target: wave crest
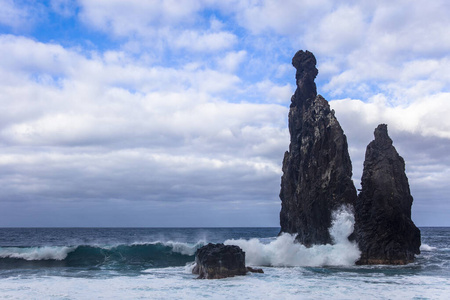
pixel 36 253
pixel 156 254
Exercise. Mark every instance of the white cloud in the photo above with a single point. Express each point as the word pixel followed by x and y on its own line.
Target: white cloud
pixel 399 41
pixel 232 60
pixel 405 83
pixel 209 41
pixel 420 28
pixel 29 57
pixel 108 128
pixel 158 26
pixel 290 17
pixel 18 17
pixel 273 93
pixel 426 117
pixel 137 17
pixel 338 33
pixel 206 85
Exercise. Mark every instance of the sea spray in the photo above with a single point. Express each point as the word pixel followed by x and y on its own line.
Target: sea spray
pixel 426 247
pixel 342 224
pixel 185 248
pixel 284 251
pixel 176 247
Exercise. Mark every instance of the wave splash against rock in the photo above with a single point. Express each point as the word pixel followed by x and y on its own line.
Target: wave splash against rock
pixel 284 251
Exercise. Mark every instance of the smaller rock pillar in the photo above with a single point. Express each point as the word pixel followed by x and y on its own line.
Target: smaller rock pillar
pixel 383 227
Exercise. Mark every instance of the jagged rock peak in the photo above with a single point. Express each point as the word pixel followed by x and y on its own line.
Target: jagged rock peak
pixel 317 169
pixel 383 227
pixel 382 139
pixel 305 64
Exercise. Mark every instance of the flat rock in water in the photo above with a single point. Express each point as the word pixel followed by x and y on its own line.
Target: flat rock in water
pixel 215 261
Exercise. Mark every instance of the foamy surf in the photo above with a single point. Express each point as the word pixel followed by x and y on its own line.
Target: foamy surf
pixel 285 252
pixel 425 247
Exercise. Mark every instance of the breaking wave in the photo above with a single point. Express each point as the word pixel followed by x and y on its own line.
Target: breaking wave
pixel 36 253
pixel 284 251
pixel 155 254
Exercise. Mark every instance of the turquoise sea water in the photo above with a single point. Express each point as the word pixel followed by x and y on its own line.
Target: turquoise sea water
pixel 155 263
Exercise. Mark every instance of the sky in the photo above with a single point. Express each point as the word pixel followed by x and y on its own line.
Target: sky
pixel 174 113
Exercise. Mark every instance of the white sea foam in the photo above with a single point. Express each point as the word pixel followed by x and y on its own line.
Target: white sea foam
pixel 36 253
pixel 275 283
pixel 425 247
pixel 284 251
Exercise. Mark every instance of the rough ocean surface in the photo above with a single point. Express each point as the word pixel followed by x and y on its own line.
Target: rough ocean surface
pixel 383 226
pixel 317 170
pixel 150 263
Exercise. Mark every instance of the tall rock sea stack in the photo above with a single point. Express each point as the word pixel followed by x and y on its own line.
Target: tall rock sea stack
pixel 383 227
pixel 317 169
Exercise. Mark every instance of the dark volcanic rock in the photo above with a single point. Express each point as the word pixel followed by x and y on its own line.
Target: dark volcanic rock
pixel 317 169
pixel 215 261
pixel 383 227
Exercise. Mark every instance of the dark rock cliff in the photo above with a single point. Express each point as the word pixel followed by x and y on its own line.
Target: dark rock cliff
pixel 383 227
pixel 317 169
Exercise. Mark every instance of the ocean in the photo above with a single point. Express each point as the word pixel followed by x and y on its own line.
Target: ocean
pixel 156 263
